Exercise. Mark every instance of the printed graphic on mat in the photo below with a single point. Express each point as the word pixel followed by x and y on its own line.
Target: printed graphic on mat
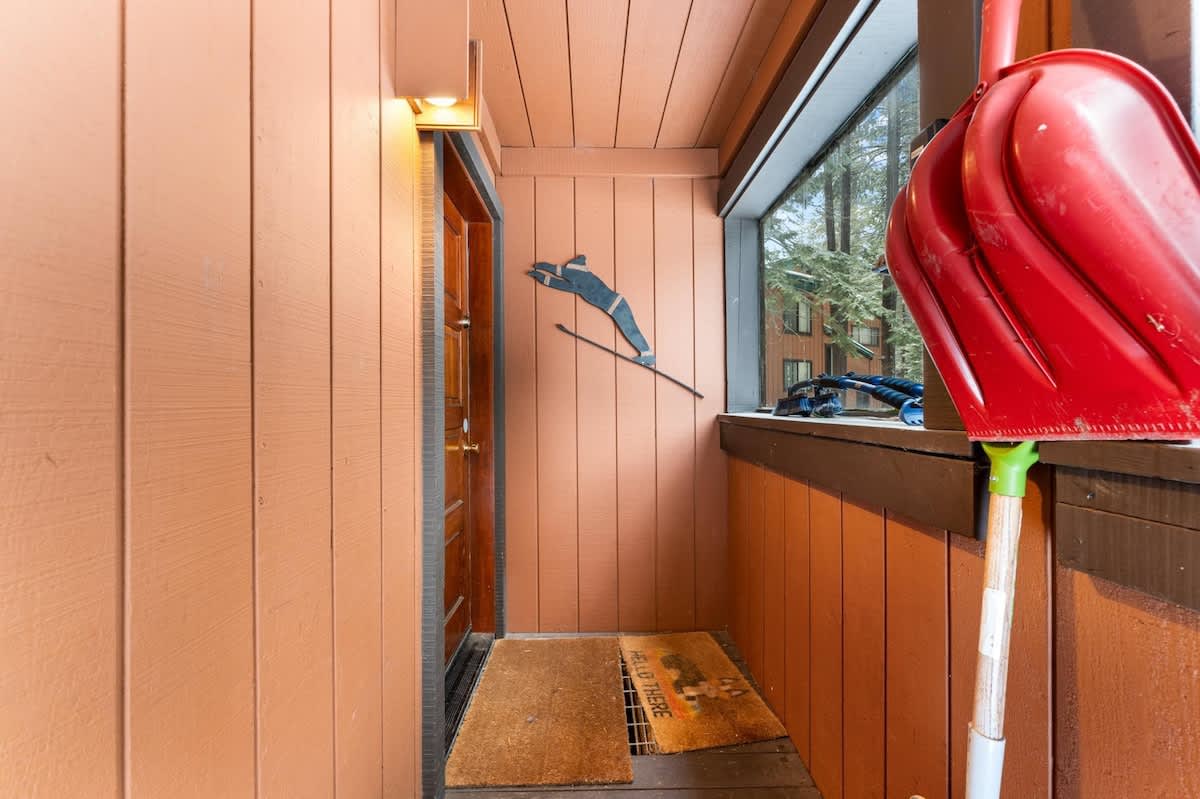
pixel 693 694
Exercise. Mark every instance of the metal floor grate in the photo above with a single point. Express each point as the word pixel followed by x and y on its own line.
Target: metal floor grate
pixel 641 738
pixel 461 680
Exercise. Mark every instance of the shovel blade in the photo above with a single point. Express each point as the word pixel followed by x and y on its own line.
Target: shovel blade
pixel 1048 245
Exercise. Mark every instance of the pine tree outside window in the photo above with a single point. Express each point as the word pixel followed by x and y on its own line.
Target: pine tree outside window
pixel 822 249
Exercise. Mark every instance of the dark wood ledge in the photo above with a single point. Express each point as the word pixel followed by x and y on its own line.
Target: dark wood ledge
pixel 928 476
pixel 878 432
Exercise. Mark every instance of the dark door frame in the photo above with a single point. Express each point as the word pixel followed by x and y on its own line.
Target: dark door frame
pixel 431 263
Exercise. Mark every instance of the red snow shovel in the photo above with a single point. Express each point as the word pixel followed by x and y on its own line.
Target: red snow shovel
pixel 1048 246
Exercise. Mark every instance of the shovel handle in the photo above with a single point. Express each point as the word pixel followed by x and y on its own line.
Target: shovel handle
pixel 998 43
pixel 985 746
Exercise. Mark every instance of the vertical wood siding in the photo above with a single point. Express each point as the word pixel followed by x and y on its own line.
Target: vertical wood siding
pixel 616 480
pixel 209 568
pixel 190 571
pixel 292 393
pixel 596 390
pixel 879 620
pixel 880 631
pixel 60 400
pixel 356 402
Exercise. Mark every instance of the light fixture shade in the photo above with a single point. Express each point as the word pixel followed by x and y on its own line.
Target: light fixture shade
pixel 466 113
pixel 432 48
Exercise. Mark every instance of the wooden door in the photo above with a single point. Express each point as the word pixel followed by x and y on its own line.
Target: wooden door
pixel 459 448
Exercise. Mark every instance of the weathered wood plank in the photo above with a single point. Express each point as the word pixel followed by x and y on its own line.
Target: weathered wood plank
pixel 1144 458
pixel 883 432
pixel 1158 559
pixel 1143 497
pixel 936 491
pixel 826 666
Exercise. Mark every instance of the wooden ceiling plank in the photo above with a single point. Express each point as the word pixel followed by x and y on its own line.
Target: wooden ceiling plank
pixel 539 36
pixel 597 45
pixel 651 49
pixel 761 25
pixel 713 29
pixel 791 32
pixel 501 80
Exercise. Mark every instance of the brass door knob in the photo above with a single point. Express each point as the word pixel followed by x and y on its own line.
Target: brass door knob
pixel 471 447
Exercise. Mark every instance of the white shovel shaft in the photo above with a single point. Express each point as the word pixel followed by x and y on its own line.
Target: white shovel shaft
pixel 985 759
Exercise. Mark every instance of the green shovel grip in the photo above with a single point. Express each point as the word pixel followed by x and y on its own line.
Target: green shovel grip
pixel 1010 463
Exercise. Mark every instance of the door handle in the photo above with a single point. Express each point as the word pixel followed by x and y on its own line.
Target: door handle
pixel 472 447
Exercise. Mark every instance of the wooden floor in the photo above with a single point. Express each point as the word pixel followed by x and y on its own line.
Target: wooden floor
pixel 767 770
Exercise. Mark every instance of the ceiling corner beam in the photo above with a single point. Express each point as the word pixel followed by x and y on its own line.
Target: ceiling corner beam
pixel 609 162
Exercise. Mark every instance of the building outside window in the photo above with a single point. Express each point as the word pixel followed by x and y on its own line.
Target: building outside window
pixel 822 250
pixel 794 371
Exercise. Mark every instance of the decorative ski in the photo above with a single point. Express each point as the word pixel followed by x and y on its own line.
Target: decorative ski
pixel 625 357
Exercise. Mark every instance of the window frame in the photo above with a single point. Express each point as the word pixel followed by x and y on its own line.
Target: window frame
pixel 798 361
pixel 797 331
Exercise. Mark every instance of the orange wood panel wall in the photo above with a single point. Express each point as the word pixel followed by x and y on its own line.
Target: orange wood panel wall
pixel 825 576
pixel 189 571
pixel 616 480
pixel 876 621
pixel 209 427
pixel 879 629
pixel 60 400
pixel 1128 692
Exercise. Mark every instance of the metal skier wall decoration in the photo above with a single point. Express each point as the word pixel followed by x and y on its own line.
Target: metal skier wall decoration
pixel 575 277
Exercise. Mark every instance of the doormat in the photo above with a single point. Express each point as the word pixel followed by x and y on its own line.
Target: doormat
pixel 546 712
pixel 694 697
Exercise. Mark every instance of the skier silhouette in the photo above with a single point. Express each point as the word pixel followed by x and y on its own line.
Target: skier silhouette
pixel 575 277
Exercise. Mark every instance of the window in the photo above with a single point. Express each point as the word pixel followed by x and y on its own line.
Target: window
pixel 794 371
pixel 797 318
pixel 822 249
pixel 866 334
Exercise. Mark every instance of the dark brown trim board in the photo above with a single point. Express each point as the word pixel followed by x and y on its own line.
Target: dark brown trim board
pixel 1140 532
pixel 1178 462
pixel 1158 559
pixel 937 490
pixel 880 432
pixel 1140 497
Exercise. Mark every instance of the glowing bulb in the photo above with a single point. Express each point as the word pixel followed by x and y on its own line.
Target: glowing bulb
pixel 442 102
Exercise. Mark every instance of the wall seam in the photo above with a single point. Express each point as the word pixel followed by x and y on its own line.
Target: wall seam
pixel 254 498
pixel 512 43
pixel 575 326
pixel 692 184
pixel 125 499
pixel 951 675
pixel 617 121
pixel 1049 499
pixel 333 651
pixel 537 489
pixel 379 366
pixel 842 633
pixel 654 383
pixel 612 183
pixel 570 77
pixel 884 613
